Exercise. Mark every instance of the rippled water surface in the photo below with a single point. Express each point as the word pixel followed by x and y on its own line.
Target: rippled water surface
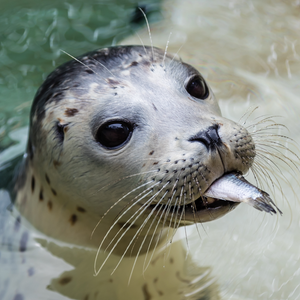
pixel 249 51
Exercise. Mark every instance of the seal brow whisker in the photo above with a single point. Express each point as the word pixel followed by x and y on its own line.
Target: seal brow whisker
pixel 149 31
pixel 79 61
pixel 176 54
pixel 166 49
pixel 141 42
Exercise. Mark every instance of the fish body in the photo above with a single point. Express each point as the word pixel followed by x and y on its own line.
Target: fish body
pixel 234 187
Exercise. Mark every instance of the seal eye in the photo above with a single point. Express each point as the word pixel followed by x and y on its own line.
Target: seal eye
pixel 197 87
pixel 114 135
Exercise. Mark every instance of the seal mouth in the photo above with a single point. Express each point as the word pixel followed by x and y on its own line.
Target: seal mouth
pixel 203 209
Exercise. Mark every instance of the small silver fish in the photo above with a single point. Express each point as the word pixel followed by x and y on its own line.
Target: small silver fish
pixel 234 187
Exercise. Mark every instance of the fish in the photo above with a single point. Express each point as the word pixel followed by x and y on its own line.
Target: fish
pixel 234 187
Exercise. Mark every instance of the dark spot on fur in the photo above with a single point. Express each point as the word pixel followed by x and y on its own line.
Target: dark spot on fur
pixel 154 106
pixel 30 271
pixel 147 63
pixel 18 297
pixel 17 224
pixel 86 297
pixel 65 280
pixel 32 184
pixel 81 209
pixel 47 178
pixel 112 82
pixel 23 242
pixel 147 295
pixel 66 128
pixel 133 64
pixel 50 205
pixel 155 280
pixel 56 163
pixel 160 293
pixel 56 95
pixel 53 192
pixel 155 163
pixel 71 112
pixel 41 196
pixel 171 260
pixel 73 219
pixel 110 280
pixel 151 152
pixel 89 71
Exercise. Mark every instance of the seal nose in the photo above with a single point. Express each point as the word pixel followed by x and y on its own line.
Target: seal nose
pixel 209 137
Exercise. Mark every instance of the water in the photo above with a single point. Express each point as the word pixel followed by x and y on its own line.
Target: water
pixel 250 54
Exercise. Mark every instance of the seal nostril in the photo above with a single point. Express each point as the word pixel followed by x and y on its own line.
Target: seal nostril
pixel 209 137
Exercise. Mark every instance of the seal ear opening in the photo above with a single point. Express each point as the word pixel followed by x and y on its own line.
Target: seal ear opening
pixel 60 131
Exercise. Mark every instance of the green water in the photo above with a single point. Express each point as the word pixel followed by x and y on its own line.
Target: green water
pixel 32 35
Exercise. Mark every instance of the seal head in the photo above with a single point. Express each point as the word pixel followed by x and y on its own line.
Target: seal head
pixel 132 132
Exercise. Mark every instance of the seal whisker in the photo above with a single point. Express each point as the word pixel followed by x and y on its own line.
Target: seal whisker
pixel 120 215
pixel 267 160
pixel 274 126
pixel 181 214
pixel 262 168
pixel 166 49
pixel 117 202
pixel 144 207
pixel 176 54
pixel 146 235
pixel 141 42
pixel 79 61
pixel 247 114
pixel 96 272
pixel 279 158
pixel 262 147
pixel 129 202
pixel 126 177
pixel 149 32
pixel 158 239
pixel 73 57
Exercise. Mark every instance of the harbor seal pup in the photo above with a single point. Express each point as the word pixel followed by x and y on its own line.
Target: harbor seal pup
pixel 123 143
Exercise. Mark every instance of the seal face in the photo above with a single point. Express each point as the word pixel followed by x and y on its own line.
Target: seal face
pixel 132 132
